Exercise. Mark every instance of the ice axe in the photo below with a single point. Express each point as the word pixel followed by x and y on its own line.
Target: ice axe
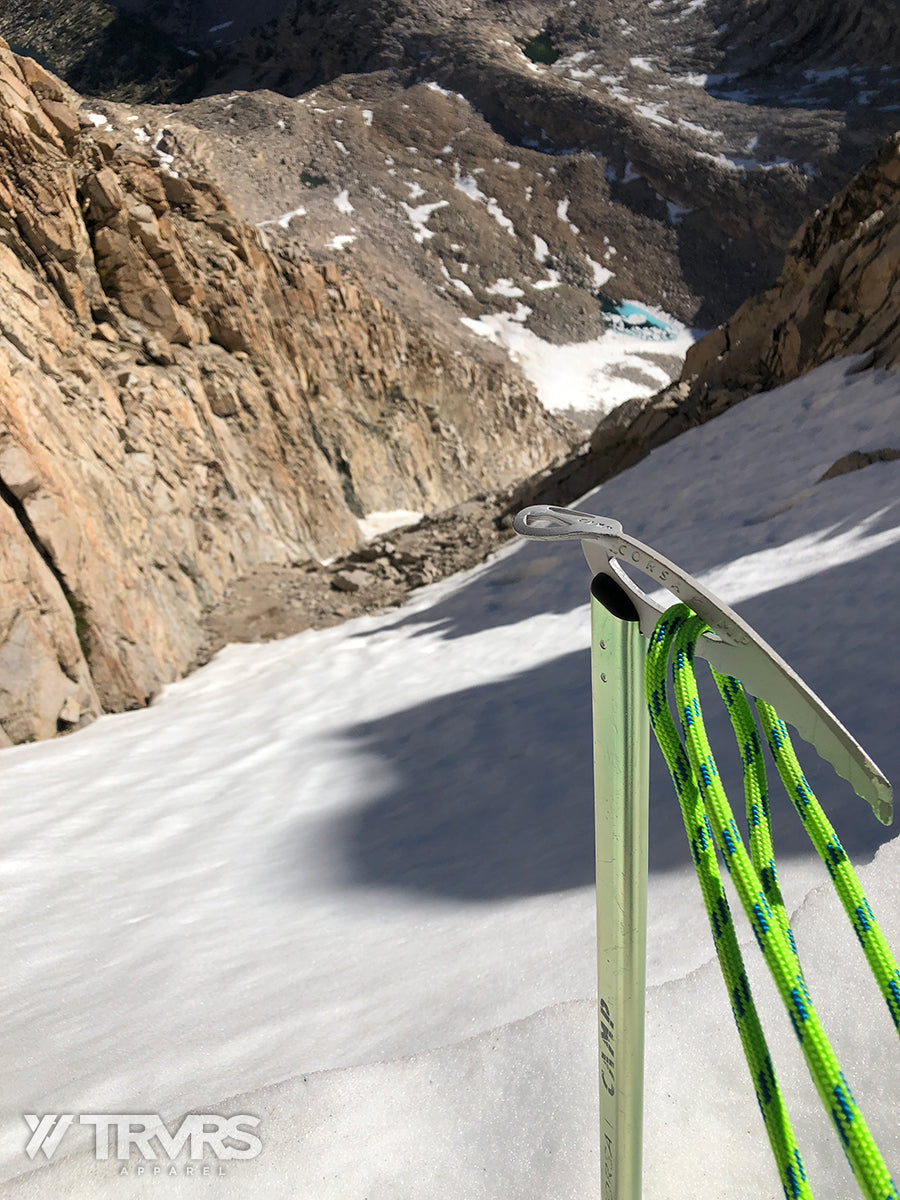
pixel 622 618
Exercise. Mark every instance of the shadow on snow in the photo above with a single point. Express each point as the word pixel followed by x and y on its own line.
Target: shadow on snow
pixel 493 785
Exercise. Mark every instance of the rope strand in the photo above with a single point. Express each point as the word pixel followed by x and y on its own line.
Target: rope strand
pixel 756 1051
pixel 709 823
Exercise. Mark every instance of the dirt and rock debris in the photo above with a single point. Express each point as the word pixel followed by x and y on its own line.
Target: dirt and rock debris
pixel 276 601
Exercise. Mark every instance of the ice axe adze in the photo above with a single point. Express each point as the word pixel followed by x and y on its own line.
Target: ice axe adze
pixel 622 618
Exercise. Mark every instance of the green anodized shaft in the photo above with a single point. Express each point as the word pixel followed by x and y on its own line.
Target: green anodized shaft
pixel 621 789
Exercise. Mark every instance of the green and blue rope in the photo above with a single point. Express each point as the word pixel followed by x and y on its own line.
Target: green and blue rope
pixel 700 838
pixel 709 823
pixel 823 837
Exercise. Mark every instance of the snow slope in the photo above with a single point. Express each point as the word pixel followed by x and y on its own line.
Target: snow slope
pixel 594 376
pixel 342 881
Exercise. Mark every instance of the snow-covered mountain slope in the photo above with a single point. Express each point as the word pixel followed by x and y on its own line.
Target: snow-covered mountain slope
pixel 685 137
pixel 411 190
pixel 342 881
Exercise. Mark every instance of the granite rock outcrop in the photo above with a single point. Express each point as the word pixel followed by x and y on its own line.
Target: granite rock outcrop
pixel 180 403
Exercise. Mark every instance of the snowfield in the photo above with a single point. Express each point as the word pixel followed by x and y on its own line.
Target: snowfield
pixel 589 377
pixel 342 882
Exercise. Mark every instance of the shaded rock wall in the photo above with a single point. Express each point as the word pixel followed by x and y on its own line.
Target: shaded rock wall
pixel 839 294
pixel 179 404
pixel 770 35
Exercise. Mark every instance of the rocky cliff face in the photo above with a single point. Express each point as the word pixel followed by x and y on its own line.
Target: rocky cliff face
pixel 178 404
pixel 771 37
pixel 839 294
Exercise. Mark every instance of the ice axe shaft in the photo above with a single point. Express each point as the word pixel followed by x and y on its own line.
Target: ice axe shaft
pixel 621 800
